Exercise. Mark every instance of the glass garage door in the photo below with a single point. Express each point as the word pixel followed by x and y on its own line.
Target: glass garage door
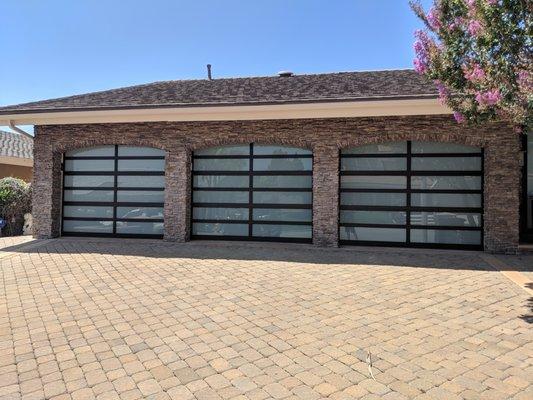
pixel 419 194
pixel 114 191
pixel 252 192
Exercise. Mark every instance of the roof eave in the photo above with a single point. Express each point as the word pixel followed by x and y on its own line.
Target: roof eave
pixel 334 108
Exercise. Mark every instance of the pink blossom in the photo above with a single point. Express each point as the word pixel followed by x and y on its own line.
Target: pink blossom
pixel 460 118
pixel 471 4
pixel 475 73
pixel 433 18
pixel 489 98
pixel 422 46
pixel 525 80
pixel 457 23
pixel 475 27
pixel 443 91
pixel 420 66
pixel 492 2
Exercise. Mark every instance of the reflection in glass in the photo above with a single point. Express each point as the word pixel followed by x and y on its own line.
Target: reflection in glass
pixel 88 212
pixel 202 196
pixel 372 234
pixel 379 148
pixel 98 151
pixel 373 164
pixel 89 181
pixel 446 182
pixel 89 195
pixel 88 226
pixel 373 182
pixel 221 181
pixel 446 164
pixel 133 196
pixel 89 165
pixel 282 197
pixel 445 236
pixel 221 164
pixel 219 229
pixel 282 231
pixel 373 217
pixel 140 212
pixel 373 199
pixel 140 228
pixel 445 200
pixel 282 214
pixel 283 164
pixel 220 213
pixel 446 219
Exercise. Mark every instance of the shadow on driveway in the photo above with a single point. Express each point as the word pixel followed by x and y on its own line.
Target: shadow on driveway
pixel 299 253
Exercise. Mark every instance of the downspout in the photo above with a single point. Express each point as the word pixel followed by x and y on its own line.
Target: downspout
pixel 18 130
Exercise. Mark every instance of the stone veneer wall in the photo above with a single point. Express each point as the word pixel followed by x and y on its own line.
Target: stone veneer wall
pixel 324 136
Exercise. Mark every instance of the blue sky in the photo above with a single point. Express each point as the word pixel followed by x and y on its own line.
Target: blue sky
pixel 56 48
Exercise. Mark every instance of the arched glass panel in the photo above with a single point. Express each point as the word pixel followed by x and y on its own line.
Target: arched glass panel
pixel 261 192
pixel 412 194
pixel 114 191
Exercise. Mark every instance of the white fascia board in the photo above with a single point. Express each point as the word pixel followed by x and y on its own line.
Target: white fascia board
pixel 348 109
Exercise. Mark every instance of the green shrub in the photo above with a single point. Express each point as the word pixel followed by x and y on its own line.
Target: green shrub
pixel 15 201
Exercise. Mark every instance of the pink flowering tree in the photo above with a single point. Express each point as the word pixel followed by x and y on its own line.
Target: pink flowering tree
pixel 479 53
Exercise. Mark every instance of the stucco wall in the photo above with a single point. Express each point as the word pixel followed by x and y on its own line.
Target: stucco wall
pixel 324 136
pixel 16 171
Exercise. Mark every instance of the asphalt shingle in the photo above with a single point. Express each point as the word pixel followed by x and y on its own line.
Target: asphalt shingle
pixel 341 86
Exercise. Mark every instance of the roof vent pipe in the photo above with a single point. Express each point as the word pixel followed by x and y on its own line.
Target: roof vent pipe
pixel 285 74
pixel 209 72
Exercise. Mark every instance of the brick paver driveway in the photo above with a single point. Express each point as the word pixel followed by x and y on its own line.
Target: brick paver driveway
pixel 112 319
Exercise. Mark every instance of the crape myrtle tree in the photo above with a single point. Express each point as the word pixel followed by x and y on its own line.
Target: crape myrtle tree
pixel 479 53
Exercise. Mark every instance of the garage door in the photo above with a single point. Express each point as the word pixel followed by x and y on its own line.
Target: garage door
pixel 420 194
pixel 252 192
pixel 114 191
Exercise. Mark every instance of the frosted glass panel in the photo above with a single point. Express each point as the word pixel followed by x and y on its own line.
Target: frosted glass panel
pixel 446 164
pixel 381 148
pixel 88 212
pixel 141 196
pixel 373 182
pixel 221 165
pixel 283 164
pixel 201 196
pixel 89 165
pixel 220 213
pixel 221 181
pixel 445 200
pixel 220 229
pixel 446 182
pixel 141 165
pixel 89 181
pixel 279 150
pixel 132 151
pixel 373 217
pixel 278 214
pixel 89 195
pixel 295 182
pixel 125 181
pixel 224 151
pixel 88 226
pixel 143 228
pixel 373 234
pixel 374 164
pixel 99 151
pixel 446 219
pixel 282 197
pixel 140 212
pixel 436 147
pixel 373 199
pixel 282 231
pixel 445 236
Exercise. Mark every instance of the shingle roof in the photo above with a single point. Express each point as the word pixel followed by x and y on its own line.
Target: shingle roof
pixel 341 86
pixel 15 145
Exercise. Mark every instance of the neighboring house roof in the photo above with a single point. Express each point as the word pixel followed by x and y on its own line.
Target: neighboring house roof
pixel 14 145
pixel 342 86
